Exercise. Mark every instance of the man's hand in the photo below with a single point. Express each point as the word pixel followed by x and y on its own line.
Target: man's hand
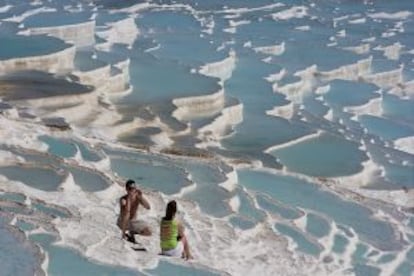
pixel 142 200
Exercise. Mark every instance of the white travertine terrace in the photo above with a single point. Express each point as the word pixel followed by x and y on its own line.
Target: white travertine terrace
pixel 285 111
pixel 275 50
pixel 221 69
pixel 295 91
pixel 349 72
pixel 81 34
pixel 217 243
pixel 60 61
pixel 229 116
pixel 124 67
pixel 361 49
pixel 391 52
pixel 294 12
pixel 405 144
pixel 373 107
pixel 192 106
pixel 385 79
pixel 118 82
pixel 124 31
pixel 55 62
pixel 96 77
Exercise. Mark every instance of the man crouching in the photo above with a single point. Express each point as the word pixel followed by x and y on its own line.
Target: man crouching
pixel 127 220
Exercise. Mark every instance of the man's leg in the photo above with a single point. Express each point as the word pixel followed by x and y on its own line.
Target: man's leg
pixel 145 231
pixel 141 228
pixel 130 237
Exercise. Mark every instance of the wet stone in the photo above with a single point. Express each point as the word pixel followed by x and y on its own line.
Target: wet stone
pixel 57 123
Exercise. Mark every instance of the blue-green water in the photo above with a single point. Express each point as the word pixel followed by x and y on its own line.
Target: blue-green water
pixel 64 261
pixel 46 178
pixel 175 40
pixel 297 192
pixel 325 156
pixel 304 244
pixel 16 46
pixel 15 258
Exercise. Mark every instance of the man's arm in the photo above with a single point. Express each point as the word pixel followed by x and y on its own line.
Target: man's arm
pixel 125 210
pixel 143 200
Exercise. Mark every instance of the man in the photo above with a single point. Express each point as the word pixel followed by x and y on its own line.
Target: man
pixel 129 204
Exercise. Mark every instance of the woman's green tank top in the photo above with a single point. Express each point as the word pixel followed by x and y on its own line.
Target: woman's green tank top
pixel 168 234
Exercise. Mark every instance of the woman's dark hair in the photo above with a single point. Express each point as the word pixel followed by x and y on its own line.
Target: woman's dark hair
pixel 170 210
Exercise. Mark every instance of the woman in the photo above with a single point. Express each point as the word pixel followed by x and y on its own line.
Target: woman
pixel 173 241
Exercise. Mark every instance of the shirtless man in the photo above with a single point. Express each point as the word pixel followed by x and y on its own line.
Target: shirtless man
pixel 129 204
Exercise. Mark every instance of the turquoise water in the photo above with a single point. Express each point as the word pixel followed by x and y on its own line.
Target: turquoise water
pixel 16 46
pixel 166 268
pixel 49 19
pixel 398 109
pixel 340 243
pixel 46 179
pixel 326 156
pixel 207 178
pixel 385 128
pixel 248 209
pixel 172 45
pixel 16 258
pixel 257 131
pixel 177 81
pixel 277 208
pixel 315 107
pixel 386 258
pixel 88 180
pixel 348 93
pixel 68 148
pixel 104 17
pixel 165 179
pixel 59 147
pixel 400 175
pixel 405 268
pixel 303 243
pixel 360 252
pixel 85 62
pixel 242 222
pixel 25 226
pixel 174 38
pixel 13 197
pixel 297 192
pixel 410 255
pixel 89 154
pixel 50 210
pixel 362 270
pixel 317 226
pixel 64 261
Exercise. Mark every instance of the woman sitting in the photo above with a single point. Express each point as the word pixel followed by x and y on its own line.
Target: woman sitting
pixel 173 240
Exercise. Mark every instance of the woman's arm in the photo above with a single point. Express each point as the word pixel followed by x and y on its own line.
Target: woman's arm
pixel 180 229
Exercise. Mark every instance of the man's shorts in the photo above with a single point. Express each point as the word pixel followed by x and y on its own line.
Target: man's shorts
pixel 136 226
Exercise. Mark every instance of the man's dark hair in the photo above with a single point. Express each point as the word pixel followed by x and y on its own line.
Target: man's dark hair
pixel 171 210
pixel 130 184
